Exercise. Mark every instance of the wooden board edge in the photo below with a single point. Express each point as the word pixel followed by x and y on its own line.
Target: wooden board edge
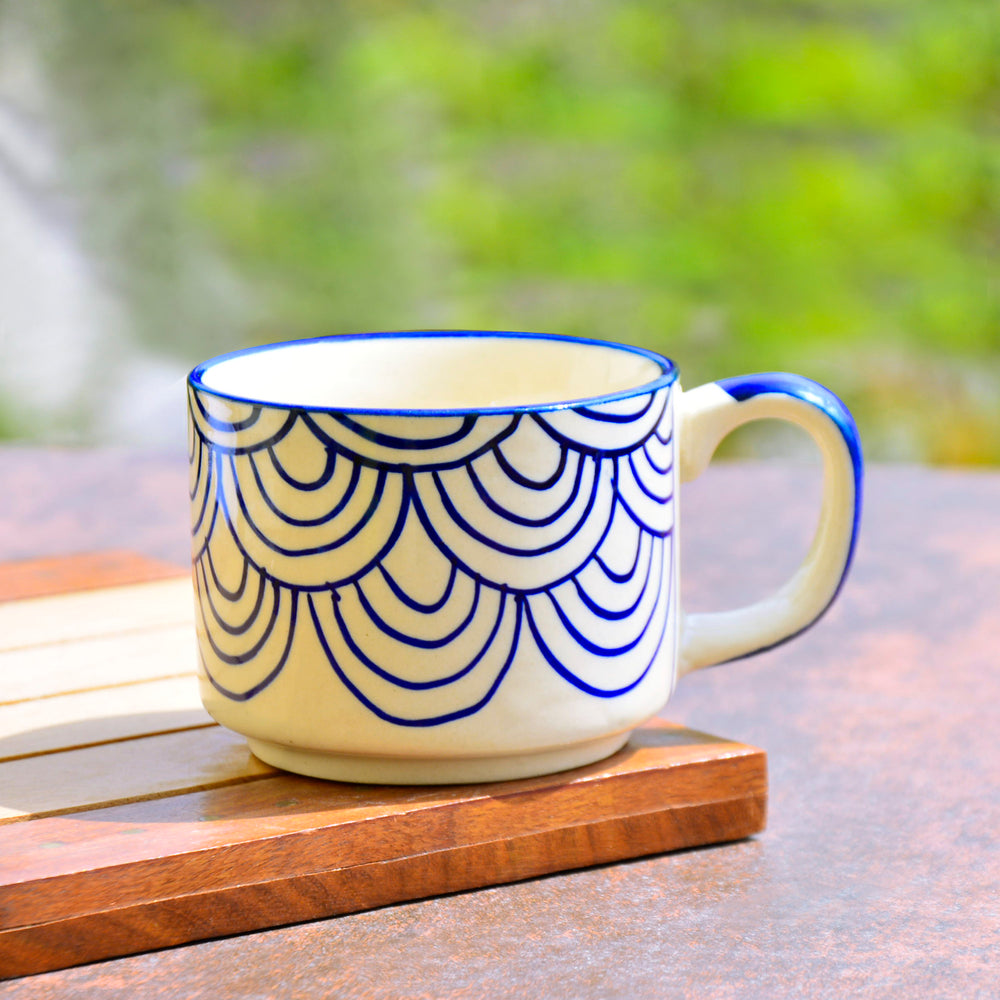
pixel 521 807
pixel 68 574
pixel 184 919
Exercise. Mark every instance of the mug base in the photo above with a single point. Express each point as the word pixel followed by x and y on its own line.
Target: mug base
pixel 376 770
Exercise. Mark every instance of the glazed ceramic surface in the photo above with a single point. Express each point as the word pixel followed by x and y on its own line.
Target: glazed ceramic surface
pixel 453 556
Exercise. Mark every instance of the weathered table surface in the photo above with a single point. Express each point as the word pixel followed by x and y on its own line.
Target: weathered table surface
pixel 879 872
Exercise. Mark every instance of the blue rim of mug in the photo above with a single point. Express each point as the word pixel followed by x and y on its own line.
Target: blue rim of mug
pixel 667 377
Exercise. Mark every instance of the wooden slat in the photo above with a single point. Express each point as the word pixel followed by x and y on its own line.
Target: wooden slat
pixel 111 611
pixel 181 919
pixel 129 821
pixel 290 805
pixel 41 671
pixel 84 571
pixel 285 848
pixel 102 716
pixel 127 771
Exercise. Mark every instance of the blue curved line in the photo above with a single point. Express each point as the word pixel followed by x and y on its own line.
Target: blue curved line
pixel 602 452
pixel 415 605
pixel 656 431
pixel 392 466
pixel 198 449
pixel 619 577
pixel 386 629
pixel 433 720
pixel 637 479
pixel 663 470
pixel 299 484
pixel 235 659
pixel 229 595
pixel 578 682
pixel 277 436
pixel 416 685
pixel 406 444
pixel 522 480
pixel 639 521
pixel 745 387
pixel 615 418
pixel 432 534
pixel 305 522
pixel 197 522
pixel 606 613
pixel 212 487
pixel 453 557
pixel 397 530
pixel 518 518
pixel 247 622
pixel 195 556
pixel 227 425
pixel 316 549
pixel 474 533
pixel 193 439
pixel 593 647
pixel 566 442
pixel 257 688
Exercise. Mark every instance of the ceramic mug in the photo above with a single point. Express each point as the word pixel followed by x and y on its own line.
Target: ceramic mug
pixel 443 557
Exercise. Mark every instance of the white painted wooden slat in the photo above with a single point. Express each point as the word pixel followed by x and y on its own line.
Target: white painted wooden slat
pixel 87 664
pixel 75 720
pixel 113 773
pixel 110 611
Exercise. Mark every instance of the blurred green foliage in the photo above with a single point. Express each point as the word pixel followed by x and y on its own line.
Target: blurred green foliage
pixel 811 185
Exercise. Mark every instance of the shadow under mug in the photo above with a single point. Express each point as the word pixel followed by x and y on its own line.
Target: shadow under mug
pixel 440 557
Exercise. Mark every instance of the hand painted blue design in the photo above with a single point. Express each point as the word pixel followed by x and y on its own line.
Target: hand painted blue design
pixel 744 387
pixel 600 641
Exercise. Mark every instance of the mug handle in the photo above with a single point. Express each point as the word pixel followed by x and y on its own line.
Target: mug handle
pixel 710 412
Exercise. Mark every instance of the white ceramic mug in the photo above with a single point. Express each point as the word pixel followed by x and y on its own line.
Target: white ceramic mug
pixel 452 556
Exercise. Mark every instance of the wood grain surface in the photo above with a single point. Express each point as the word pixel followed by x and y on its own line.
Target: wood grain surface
pixel 878 875
pixel 129 821
pixel 83 571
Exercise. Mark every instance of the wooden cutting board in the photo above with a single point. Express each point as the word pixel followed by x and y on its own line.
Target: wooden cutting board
pixel 130 821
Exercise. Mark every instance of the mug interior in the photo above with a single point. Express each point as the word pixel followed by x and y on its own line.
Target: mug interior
pixel 435 371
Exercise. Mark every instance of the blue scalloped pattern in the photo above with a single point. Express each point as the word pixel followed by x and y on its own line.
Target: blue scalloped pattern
pixel 425 555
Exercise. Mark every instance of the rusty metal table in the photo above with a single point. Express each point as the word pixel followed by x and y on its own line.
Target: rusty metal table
pixel 878 874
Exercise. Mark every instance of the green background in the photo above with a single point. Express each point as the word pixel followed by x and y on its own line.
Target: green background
pixel 809 186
